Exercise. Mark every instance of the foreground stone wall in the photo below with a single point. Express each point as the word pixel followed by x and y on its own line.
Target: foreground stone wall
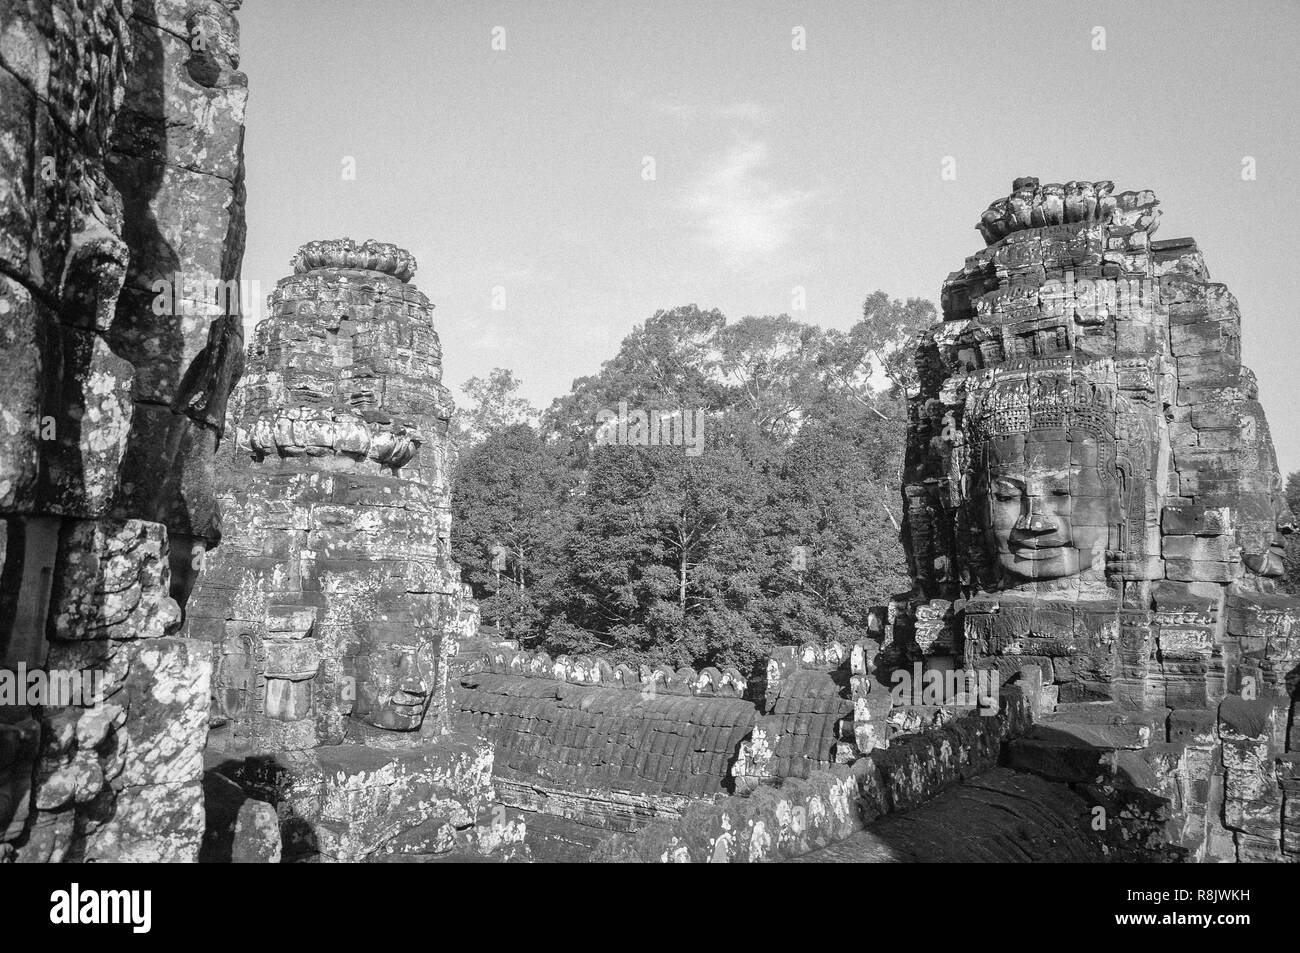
pixel 1002 817
pixel 355 803
pixel 793 816
pixel 120 164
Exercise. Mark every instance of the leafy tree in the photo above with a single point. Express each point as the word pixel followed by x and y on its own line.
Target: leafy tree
pixel 784 529
pixel 837 505
pixel 871 363
pixel 668 363
pixel 509 526
pixel 493 405
pixel 1293 492
pixel 770 364
pixel 1290 581
pixel 662 551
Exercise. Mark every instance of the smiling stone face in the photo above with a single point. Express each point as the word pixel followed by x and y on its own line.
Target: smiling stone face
pixel 395 682
pixel 1045 502
pixel 1268 561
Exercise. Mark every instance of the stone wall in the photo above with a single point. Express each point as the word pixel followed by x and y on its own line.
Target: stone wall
pixel 121 165
pixel 650 680
pixel 604 757
pixel 610 747
pixel 807 716
pixel 791 817
pixel 356 803
pixel 771 824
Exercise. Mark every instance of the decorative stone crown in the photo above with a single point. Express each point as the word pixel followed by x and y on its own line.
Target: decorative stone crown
pixel 1041 403
pixel 1031 205
pixel 343 253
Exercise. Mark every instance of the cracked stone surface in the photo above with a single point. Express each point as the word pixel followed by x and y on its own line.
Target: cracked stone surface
pixel 121 164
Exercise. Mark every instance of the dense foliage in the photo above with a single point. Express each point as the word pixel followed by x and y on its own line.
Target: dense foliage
pixel 776 525
pixel 1291 558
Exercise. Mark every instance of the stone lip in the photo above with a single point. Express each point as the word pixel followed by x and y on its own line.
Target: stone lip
pixel 1031 205
pixel 346 255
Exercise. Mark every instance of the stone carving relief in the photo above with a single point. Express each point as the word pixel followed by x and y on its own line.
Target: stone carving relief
pixel 1090 486
pixel 123 166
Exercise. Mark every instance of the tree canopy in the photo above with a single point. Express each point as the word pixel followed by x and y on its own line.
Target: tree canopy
pixel 594 527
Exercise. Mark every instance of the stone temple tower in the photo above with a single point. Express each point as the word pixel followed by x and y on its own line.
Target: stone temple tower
pixel 1091 493
pixel 332 606
pixel 330 603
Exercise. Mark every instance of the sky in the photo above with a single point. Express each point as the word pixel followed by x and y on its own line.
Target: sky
pixel 618 158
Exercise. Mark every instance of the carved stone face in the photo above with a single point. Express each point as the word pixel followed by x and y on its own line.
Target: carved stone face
pixel 1261 515
pixel 1045 502
pixel 1270 563
pixel 395 683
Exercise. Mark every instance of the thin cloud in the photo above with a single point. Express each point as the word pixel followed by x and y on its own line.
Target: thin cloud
pixel 752 113
pixel 743 216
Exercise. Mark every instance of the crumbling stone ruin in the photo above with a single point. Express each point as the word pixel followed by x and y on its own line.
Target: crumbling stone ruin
pixel 1092 491
pixel 1093 525
pixel 652 765
pixel 332 606
pixel 121 206
pixel 334 594
pixel 1093 516
pixel 604 748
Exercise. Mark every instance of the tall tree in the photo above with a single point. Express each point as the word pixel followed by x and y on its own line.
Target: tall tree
pixel 770 364
pixel 662 552
pixel 510 526
pixel 784 529
pixel 838 552
pixel 1290 581
pixel 668 363
pixel 493 404
pixel 871 363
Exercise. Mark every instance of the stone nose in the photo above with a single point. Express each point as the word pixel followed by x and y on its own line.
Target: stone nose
pixel 1034 520
pixel 413 685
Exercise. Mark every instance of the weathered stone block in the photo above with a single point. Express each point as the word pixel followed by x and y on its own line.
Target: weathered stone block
pixel 1192 520
pixel 1202 337
pixel 1195 570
